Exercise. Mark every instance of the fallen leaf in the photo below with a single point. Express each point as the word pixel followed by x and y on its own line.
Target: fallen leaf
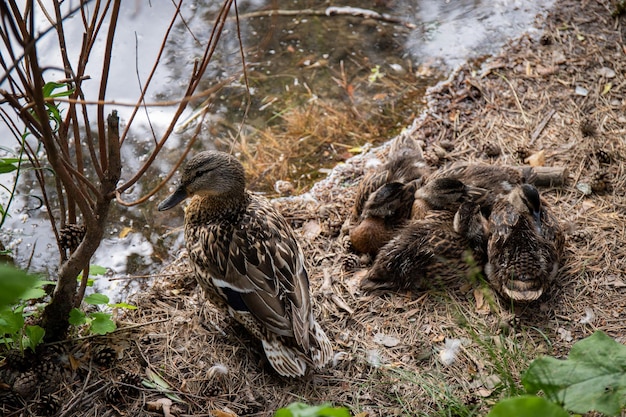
pixel 606 72
pixel 220 413
pixel 607 88
pixel 482 307
pixel 537 159
pixel 311 229
pixel 125 231
pixel 584 188
pixel 386 340
pixel 484 392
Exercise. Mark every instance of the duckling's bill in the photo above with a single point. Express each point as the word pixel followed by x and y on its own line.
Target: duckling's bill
pixel 174 199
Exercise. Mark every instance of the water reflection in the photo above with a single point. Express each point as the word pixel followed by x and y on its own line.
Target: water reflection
pixel 319 85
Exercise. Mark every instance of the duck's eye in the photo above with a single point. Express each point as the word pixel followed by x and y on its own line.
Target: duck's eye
pixel 200 173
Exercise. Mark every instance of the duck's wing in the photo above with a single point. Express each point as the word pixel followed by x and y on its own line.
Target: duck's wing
pixel 257 267
pixel 551 228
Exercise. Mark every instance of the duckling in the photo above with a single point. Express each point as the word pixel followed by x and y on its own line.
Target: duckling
pixel 431 252
pixel 498 180
pixel 384 212
pixel 248 261
pixel 402 168
pixel 432 246
pixel 524 245
pixel 443 193
pixel 384 197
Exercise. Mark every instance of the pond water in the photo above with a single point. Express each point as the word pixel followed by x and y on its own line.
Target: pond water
pixel 323 84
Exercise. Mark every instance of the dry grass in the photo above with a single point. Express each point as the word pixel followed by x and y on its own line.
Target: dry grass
pixel 389 348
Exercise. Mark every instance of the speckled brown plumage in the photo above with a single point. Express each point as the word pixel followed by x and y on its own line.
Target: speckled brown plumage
pixel 524 246
pixel 384 197
pixel 498 180
pixel 430 253
pixel 443 193
pixel 386 210
pixel 248 261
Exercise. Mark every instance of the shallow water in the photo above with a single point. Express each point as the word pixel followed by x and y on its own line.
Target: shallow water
pixel 379 68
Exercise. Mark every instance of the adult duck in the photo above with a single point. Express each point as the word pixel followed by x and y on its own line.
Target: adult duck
pixel 248 261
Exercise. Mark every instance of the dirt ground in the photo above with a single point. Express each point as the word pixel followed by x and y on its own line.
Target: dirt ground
pixel 562 93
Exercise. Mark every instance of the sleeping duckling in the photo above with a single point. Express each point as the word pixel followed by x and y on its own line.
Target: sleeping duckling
pixel 403 168
pixel 384 212
pixel 432 252
pixel 443 193
pixel 524 246
pixel 384 197
pixel 248 261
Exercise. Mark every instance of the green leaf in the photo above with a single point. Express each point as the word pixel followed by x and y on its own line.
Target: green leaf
pixel 96 299
pixel 11 321
pixel 6 168
pixel 592 378
pixel 102 323
pixel 13 283
pixel 34 336
pixel 304 410
pixel 527 406
pixel 33 294
pixel 124 305
pixel 159 383
pixel 96 270
pixel 77 317
pixel 49 87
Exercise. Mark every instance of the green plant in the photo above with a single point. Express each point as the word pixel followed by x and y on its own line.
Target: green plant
pixel 527 406
pixel 97 322
pixel 17 288
pixel 9 165
pixel 592 378
pixel 304 410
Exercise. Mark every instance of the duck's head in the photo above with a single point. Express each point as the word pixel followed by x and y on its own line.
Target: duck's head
pixel 447 193
pixel 391 201
pixel 526 198
pixel 208 173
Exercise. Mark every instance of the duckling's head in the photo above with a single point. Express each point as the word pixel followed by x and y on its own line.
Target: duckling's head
pixel 526 198
pixel 392 201
pixel 447 193
pixel 208 173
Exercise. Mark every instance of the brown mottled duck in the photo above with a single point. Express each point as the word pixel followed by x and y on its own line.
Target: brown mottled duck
pixel 524 247
pixel 248 261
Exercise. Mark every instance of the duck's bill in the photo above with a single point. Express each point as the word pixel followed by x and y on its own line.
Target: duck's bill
pixel 173 200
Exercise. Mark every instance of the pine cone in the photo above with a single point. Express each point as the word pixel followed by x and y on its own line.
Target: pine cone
pixel 581 235
pixel 19 361
pixel 600 182
pixel 131 382
pixel 128 385
pixel 11 399
pixel 492 149
pixel 48 405
pixel 603 156
pixel 113 393
pixel 350 262
pixel 522 153
pixel 104 355
pixel 26 384
pixel 431 158
pixel 50 374
pixel 70 236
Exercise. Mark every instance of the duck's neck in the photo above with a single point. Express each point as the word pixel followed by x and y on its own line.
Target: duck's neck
pixel 203 209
